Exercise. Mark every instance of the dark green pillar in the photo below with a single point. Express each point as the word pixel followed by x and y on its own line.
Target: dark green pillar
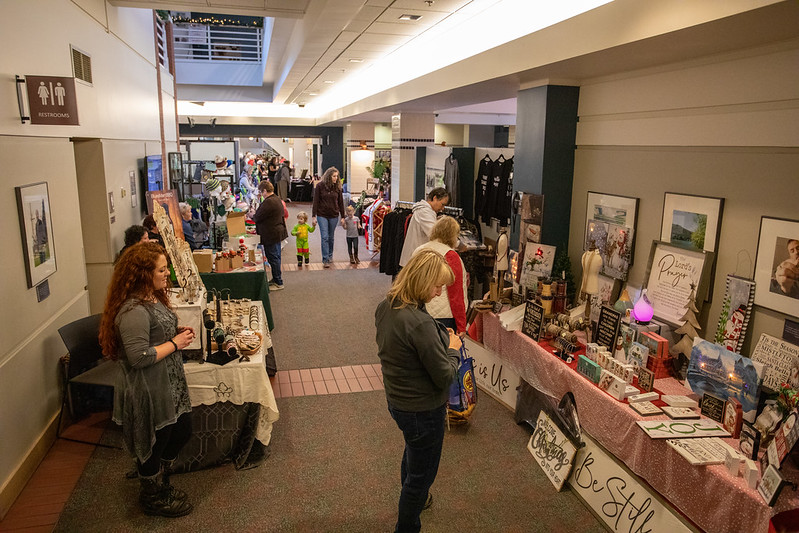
pixel 543 163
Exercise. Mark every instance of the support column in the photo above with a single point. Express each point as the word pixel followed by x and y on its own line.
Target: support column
pixel 546 129
pixel 359 140
pixel 409 130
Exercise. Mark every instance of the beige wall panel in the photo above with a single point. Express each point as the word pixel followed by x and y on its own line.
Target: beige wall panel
pixel 753 182
pixel 773 127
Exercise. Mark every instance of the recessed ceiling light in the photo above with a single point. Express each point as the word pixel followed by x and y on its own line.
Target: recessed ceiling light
pixel 329 81
pixel 313 94
pixel 410 17
pixel 356 60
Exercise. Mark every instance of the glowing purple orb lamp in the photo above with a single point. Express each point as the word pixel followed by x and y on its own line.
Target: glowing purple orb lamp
pixel 642 310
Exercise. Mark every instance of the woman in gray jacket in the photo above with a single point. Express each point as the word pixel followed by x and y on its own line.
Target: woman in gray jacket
pixel 419 359
pixel 151 397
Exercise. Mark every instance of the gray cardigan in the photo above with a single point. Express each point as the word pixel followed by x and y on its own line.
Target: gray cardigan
pixel 418 364
pixel 149 394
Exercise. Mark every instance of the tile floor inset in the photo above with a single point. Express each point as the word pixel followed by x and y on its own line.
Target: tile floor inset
pixel 329 380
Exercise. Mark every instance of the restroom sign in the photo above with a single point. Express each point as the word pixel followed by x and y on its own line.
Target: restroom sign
pixel 52 100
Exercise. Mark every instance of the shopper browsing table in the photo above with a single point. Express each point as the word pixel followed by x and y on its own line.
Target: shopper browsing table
pixel 422 220
pixel 151 398
pixel 270 224
pixel 419 359
pixel 328 208
pixel 449 307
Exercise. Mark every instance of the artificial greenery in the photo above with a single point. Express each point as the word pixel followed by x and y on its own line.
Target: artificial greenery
pixel 378 170
pixel 563 266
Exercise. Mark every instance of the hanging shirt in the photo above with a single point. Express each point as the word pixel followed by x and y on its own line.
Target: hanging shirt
pixel 481 186
pixel 451 180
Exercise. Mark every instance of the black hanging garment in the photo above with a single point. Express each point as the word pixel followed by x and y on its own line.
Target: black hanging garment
pixel 451 180
pixel 481 185
pixel 505 194
pixel 492 194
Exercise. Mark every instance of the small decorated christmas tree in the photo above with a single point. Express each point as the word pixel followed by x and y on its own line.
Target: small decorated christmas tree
pixel 562 270
pixel 723 316
pixel 688 331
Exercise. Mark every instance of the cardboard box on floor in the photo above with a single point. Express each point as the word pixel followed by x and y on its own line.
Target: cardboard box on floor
pixel 235 224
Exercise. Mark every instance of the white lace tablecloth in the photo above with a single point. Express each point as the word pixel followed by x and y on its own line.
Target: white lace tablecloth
pixel 238 383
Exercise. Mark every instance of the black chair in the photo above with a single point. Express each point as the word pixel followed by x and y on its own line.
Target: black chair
pixel 84 367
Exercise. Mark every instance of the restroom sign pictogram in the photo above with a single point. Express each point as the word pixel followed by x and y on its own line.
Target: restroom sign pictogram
pixel 52 100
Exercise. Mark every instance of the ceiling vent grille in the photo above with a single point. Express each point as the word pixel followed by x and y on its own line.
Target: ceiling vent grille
pixel 81 65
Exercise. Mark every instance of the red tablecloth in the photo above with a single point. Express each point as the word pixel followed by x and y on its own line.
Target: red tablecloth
pixel 707 495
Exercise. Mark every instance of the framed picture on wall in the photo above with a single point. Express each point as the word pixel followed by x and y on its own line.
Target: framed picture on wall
pixel 777 265
pixel 603 213
pixel 36 227
pixel 691 221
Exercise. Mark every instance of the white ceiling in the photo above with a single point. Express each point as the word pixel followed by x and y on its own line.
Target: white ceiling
pixel 313 41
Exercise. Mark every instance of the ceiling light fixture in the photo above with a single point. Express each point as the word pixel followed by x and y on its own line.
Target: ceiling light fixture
pixel 410 17
pixel 356 60
pixel 329 81
pixel 313 94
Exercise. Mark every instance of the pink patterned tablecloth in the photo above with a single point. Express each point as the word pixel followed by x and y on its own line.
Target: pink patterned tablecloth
pixel 709 496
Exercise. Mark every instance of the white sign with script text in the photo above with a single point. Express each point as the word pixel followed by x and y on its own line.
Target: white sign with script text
pixel 616 495
pixel 552 450
pixel 493 375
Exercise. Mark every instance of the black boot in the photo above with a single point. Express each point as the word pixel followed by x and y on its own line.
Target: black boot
pixel 356 258
pixel 299 261
pixel 155 502
pixel 352 259
pixel 166 487
pixel 307 260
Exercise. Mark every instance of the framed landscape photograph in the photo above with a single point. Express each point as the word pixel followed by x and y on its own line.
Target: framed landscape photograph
pixel 777 265
pixel 36 227
pixel 610 209
pixel 691 221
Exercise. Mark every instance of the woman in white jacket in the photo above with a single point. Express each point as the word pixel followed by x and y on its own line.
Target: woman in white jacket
pixel 449 307
pixel 422 220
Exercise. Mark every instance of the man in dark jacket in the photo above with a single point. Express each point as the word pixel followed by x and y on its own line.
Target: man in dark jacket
pixel 271 226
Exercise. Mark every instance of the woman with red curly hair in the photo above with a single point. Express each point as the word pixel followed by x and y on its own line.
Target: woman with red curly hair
pixel 151 398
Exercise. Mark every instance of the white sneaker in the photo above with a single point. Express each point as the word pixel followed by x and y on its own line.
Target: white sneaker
pixel 275 287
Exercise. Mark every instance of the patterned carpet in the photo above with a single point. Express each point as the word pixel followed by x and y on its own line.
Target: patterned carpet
pixel 334 463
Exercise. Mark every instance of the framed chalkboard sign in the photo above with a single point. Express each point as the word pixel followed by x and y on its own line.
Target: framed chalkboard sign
pixel 713 407
pixel 533 320
pixel 607 327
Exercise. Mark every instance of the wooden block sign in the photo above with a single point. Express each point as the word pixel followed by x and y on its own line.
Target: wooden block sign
pixel 607 327
pixel 552 450
pixel 675 429
pixel 713 407
pixel 533 320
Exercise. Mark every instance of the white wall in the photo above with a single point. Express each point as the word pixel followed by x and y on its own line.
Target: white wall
pixel 121 110
pixel 726 126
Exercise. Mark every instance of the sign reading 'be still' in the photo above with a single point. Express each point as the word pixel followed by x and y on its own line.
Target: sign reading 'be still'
pixel 52 100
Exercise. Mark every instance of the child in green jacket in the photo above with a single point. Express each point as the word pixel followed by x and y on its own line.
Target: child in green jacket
pixel 301 231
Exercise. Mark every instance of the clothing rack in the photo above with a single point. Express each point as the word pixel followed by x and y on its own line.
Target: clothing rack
pixel 399 204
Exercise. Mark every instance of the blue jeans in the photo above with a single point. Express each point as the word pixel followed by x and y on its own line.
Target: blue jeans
pixel 327 227
pixel 272 252
pixel 424 436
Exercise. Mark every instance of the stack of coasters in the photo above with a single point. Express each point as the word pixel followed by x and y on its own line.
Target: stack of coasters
pixel 681 413
pixel 675 400
pixel 611 384
pixel 643 397
pixel 646 408
pixel 589 368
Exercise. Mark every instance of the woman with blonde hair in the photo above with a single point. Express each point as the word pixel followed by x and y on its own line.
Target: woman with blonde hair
pixel 449 307
pixel 151 397
pixel 419 359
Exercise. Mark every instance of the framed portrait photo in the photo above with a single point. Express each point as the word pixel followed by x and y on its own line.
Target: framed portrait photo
pixel 36 228
pixel 777 266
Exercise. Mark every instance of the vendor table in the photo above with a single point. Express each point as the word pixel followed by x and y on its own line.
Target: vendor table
pixel 707 495
pixel 246 282
pixel 233 409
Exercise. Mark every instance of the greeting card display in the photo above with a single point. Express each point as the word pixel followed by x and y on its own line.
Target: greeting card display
pixel 724 374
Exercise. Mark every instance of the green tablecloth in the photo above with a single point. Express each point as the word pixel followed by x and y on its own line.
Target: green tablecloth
pixel 252 285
